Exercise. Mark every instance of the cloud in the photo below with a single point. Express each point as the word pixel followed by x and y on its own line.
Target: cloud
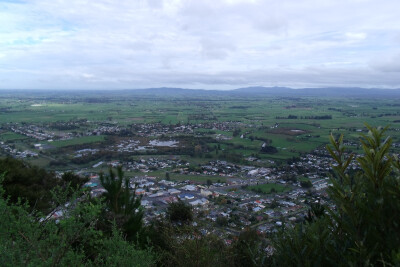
pixel 356 35
pixel 216 48
pixel 387 64
pixel 189 43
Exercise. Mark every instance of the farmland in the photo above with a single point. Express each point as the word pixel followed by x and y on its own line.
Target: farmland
pixel 267 129
pixel 77 141
pixel 269 188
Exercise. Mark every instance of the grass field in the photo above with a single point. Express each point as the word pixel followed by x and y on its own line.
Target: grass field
pixel 269 188
pixel 10 136
pixel 183 177
pixel 257 118
pixel 77 141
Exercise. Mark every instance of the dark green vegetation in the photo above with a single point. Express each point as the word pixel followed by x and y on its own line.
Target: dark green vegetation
pixel 78 141
pixel 359 228
pixel 306 184
pixel 33 184
pixel 10 136
pixel 180 212
pixel 362 228
pixel 31 239
pixel 268 188
pixel 124 208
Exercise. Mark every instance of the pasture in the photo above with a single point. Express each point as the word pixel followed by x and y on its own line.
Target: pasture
pixel 236 127
pixel 269 188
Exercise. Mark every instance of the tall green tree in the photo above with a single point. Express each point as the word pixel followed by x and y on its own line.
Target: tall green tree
pixel 75 181
pixel 180 212
pixel 247 250
pixel 123 206
pixel 363 228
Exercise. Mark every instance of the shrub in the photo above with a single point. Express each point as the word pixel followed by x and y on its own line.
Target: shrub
pixel 363 227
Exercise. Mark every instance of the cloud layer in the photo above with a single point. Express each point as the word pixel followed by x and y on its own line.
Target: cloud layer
pixel 105 44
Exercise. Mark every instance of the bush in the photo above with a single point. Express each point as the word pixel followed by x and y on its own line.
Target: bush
pixel 363 227
pixel 31 183
pixel 180 212
pixel 31 239
pixel 306 184
pixel 222 221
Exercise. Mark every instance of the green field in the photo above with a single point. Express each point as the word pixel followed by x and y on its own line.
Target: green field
pixel 182 177
pixel 77 141
pixel 292 126
pixel 269 188
pixel 10 136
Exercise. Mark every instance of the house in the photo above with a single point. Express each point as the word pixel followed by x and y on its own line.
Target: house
pixel 173 191
pixel 199 202
pixel 253 172
pixel 169 199
pixel 97 164
pixel 146 184
pixel 146 204
pixel 158 194
pixel 189 188
pixel 140 191
pixel 186 196
pixel 205 193
pixel 256 209
pixel 90 184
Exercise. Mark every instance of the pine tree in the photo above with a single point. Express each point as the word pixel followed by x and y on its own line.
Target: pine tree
pixel 123 206
pixel 363 227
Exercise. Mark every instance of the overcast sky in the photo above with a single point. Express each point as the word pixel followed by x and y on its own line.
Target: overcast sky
pixel 210 44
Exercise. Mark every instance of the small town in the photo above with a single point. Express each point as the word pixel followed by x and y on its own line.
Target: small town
pixel 226 197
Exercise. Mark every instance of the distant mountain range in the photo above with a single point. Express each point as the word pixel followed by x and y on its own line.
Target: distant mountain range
pixel 326 91
pixel 274 91
pixel 240 92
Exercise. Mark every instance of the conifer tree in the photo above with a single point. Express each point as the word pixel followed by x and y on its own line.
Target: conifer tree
pixel 363 227
pixel 123 206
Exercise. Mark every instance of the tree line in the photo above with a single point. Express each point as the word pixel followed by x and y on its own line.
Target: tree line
pixel 295 117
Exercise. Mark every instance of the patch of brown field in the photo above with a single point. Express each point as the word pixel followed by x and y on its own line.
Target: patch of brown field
pixel 288 131
pixel 135 119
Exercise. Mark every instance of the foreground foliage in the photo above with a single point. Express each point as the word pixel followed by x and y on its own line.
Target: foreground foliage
pixel 33 184
pixel 179 212
pixel 363 227
pixel 31 239
pixel 185 245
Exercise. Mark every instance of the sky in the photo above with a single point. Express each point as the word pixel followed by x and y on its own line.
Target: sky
pixel 202 44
